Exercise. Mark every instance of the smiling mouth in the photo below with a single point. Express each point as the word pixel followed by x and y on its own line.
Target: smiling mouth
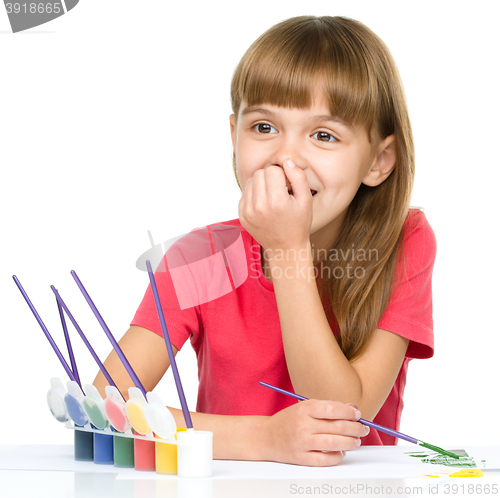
pixel 313 192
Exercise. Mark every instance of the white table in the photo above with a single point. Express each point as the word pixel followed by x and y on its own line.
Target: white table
pixel 39 471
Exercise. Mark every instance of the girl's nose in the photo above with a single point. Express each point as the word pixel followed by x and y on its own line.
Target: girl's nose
pixel 288 148
pixel 280 161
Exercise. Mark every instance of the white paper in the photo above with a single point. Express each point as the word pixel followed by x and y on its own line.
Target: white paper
pixel 367 462
pixel 486 457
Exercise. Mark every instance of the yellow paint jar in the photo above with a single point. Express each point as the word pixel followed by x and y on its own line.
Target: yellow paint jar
pixel 166 456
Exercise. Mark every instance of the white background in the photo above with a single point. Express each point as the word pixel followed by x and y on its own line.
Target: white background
pixel 114 121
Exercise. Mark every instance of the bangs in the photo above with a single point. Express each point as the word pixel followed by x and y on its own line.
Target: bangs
pixel 288 62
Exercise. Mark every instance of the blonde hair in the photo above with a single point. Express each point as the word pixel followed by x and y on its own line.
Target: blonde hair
pixel 363 87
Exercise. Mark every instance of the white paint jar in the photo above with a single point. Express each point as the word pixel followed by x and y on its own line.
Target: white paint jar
pixel 194 453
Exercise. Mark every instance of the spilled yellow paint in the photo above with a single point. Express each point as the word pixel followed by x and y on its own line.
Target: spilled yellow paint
pixel 468 473
pixel 460 473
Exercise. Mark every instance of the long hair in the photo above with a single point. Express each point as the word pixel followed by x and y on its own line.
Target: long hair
pixel 363 87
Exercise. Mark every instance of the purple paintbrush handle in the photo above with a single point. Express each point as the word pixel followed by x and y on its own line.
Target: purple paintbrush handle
pixel 380 428
pixel 68 344
pixel 45 330
pixel 62 305
pixel 171 356
pixel 391 432
pixel 288 393
pixel 115 345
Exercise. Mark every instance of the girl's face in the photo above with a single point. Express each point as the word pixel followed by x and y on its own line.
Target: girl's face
pixel 335 156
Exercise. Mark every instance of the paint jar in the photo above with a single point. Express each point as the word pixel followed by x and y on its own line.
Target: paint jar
pixel 194 453
pixel 123 448
pixel 103 449
pixel 144 451
pixel 144 455
pixel 166 456
pixel 84 441
pixel 74 404
pixel 84 446
pixel 93 405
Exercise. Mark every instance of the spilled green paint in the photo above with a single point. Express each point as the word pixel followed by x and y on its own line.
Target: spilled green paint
pixel 464 459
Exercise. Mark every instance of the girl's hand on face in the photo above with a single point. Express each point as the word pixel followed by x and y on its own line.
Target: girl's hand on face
pixel 276 219
pixel 314 433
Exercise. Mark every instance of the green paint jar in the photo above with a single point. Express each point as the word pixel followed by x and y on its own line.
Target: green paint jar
pixel 123 449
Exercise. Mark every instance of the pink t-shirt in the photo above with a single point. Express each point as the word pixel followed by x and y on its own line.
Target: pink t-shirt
pixel 237 336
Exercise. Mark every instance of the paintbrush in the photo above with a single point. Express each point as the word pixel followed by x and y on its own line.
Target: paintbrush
pixel 114 343
pixel 65 365
pixel 171 356
pixel 62 306
pixel 380 428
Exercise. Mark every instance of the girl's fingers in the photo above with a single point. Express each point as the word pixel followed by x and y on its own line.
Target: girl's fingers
pixel 259 196
pixel 330 410
pixel 276 185
pixel 246 197
pixel 340 427
pixel 313 432
pixel 320 458
pixel 333 442
pixel 298 180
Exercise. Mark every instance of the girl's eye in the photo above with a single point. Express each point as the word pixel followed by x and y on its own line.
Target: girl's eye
pixel 264 128
pixel 325 137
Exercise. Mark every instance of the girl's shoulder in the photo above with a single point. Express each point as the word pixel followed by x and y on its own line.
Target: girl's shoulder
pixel 222 226
pixel 419 241
pixel 417 228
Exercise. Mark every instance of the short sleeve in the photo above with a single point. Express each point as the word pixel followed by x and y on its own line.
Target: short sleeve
pixel 198 268
pixel 409 312
pixel 182 324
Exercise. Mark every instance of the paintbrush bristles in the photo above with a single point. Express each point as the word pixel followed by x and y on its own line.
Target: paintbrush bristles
pixel 437 449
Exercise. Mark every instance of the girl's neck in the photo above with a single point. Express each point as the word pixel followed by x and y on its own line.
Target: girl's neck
pixel 266 270
pixel 321 241
pixel 265 265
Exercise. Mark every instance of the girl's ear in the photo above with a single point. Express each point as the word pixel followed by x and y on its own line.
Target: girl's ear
pixel 384 162
pixel 232 122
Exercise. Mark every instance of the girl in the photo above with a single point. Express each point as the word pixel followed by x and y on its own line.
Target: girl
pixel 338 295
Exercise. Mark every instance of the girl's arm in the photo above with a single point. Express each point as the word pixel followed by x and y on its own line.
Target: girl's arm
pixel 316 364
pixel 282 223
pixel 308 433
